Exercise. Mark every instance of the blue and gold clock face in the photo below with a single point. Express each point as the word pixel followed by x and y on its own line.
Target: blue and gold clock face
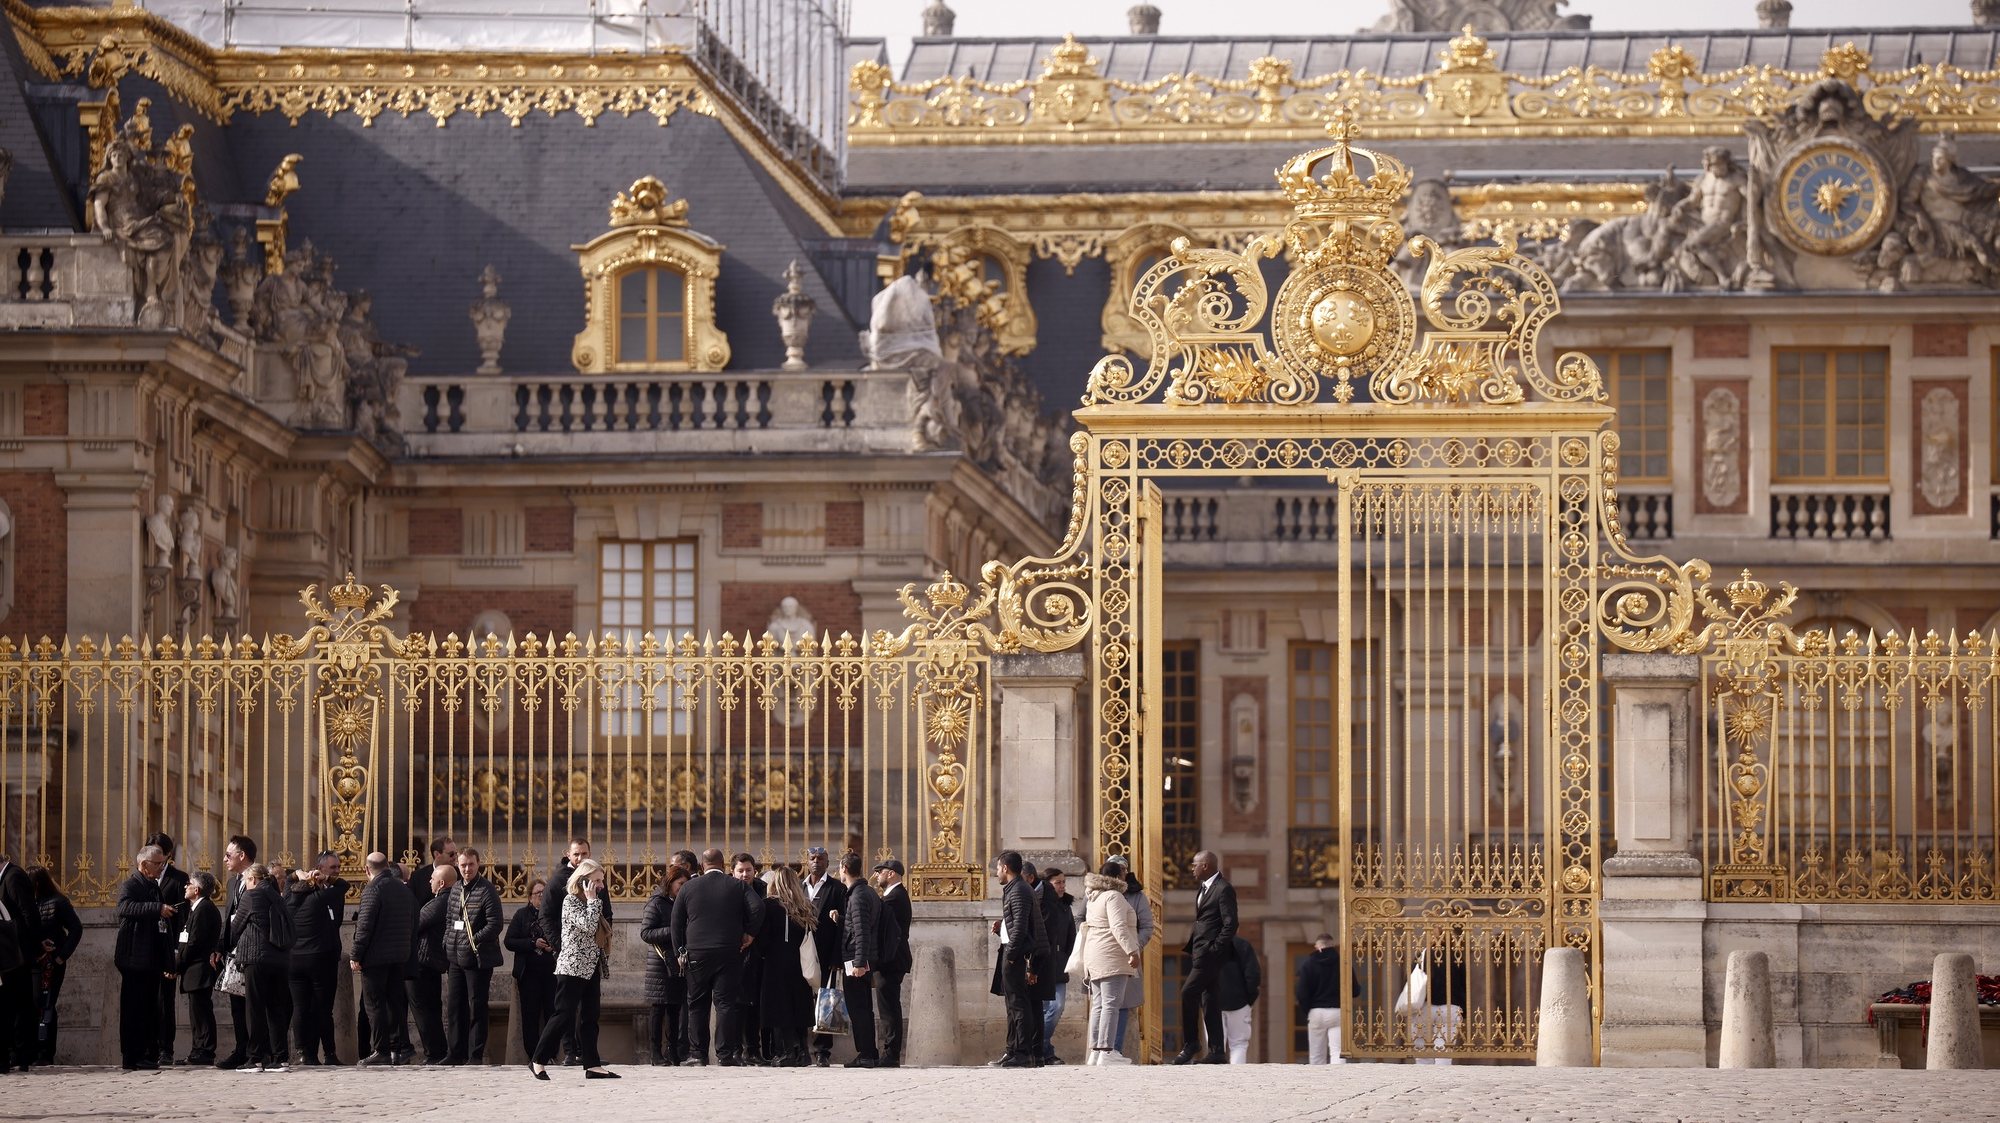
pixel 1833 198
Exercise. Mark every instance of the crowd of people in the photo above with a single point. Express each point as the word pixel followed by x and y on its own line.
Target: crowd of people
pixel 761 952
pixel 755 948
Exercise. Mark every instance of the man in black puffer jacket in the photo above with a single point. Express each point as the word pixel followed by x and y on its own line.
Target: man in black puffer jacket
pixel 383 932
pixel 317 898
pixel 473 923
pixel 141 957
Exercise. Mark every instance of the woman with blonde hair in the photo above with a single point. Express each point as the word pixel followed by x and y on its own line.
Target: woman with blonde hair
pixel 581 966
pixel 784 996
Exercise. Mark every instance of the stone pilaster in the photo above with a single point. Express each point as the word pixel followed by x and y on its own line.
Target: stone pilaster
pixel 1653 904
pixel 1041 810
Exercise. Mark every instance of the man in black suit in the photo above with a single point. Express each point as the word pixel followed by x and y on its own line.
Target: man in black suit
pixel 173 890
pixel 860 953
pixel 201 930
pixel 142 960
pixel 894 948
pixel 431 964
pixel 1208 946
pixel 712 925
pixel 829 896
pixel 18 995
pixel 383 931
pixel 743 868
pixel 236 857
pixel 1024 943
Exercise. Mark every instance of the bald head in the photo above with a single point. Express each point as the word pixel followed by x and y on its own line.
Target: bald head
pixel 1203 865
pixel 377 862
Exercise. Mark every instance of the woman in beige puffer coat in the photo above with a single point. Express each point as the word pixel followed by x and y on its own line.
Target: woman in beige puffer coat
pixel 1110 959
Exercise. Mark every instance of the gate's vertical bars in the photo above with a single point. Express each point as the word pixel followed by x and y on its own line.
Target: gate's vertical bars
pixel 1344 730
pixel 1147 788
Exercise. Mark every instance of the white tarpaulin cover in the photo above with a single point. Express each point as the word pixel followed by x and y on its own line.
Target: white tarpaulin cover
pixel 435 25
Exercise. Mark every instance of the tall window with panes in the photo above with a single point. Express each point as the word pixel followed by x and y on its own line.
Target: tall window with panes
pixel 646 588
pixel 1180 729
pixel 1641 386
pixel 1314 748
pixel 1830 415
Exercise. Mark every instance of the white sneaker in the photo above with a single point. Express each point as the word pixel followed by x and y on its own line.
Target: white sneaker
pixel 1114 1057
pixel 279 1067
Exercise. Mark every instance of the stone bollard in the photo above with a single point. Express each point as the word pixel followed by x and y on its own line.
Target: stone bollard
pixel 1954 1031
pixel 932 1037
pixel 1746 1013
pixel 1563 1040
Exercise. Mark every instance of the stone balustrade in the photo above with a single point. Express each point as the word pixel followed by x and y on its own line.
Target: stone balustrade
pixel 63 280
pixel 1849 513
pixel 692 413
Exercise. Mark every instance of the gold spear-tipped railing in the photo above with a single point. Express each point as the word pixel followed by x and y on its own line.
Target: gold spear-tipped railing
pixel 351 738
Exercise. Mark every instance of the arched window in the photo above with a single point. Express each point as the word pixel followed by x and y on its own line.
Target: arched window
pixel 652 315
pixel 649 290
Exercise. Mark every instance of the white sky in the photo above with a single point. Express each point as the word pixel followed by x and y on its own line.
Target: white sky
pixel 898 20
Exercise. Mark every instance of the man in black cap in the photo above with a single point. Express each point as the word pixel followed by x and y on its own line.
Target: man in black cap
pixel 894 943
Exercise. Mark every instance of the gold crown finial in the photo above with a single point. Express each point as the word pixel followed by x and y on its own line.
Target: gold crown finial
pixel 945 592
pixel 1341 124
pixel 1467 51
pixel 1747 592
pixel 349 594
pixel 1326 184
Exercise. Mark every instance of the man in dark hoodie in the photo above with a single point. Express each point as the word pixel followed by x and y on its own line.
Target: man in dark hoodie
pixel 1317 991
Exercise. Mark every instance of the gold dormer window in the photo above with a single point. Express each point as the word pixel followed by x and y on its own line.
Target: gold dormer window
pixel 649 290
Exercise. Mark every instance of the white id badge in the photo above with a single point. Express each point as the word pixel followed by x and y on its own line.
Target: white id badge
pixel 184 936
pixel 458 924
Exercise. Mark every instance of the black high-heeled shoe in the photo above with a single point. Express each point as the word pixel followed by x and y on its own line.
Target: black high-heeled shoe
pixel 538 1071
pixel 594 1074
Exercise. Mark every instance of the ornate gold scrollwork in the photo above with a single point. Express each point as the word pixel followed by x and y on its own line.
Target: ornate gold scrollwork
pixel 348 636
pixel 1343 316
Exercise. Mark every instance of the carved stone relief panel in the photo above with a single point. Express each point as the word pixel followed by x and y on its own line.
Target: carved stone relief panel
pixel 1938 446
pixel 1246 702
pixel 1722 448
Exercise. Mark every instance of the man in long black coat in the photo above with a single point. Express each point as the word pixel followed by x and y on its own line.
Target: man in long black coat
pixel 17 968
pixel 173 891
pixel 860 955
pixel 383 932
pixel 201 932
pixel 237 856
pixel 894 947
pixel 142 960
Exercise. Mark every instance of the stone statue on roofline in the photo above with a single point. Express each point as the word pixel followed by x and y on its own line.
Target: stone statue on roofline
pixel 241 274
pixel 140 208
pixel 490 315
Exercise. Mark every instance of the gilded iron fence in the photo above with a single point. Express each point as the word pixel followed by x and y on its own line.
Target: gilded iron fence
pixel 1857 768
pixel 352 738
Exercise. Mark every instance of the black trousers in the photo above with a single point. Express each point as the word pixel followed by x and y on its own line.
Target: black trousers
pixel 465 1014
pixel 239 1020
pixel 1201 1006
pixel 170 989
pixel 46 1008
pixel 1024 1011
pixel 668 1033
pixel 382 995
pixel 428 1006
pixel 715 978
pixel 576 1010
pixel 270 1001
pixel 889 999
pixel 138 1018
pixel 538 990
pixel 19 1015
pixel 861 1012
pixel 314 980
pixel 201 1025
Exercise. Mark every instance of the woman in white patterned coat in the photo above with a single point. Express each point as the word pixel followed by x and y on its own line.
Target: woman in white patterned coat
pixel 581 966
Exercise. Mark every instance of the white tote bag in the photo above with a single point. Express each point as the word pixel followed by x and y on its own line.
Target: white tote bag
pixel 809 961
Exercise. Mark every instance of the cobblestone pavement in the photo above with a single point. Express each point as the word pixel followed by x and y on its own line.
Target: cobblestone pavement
pixel 1071 1094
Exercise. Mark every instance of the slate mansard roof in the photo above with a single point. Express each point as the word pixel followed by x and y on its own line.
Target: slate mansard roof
pixel 412 212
